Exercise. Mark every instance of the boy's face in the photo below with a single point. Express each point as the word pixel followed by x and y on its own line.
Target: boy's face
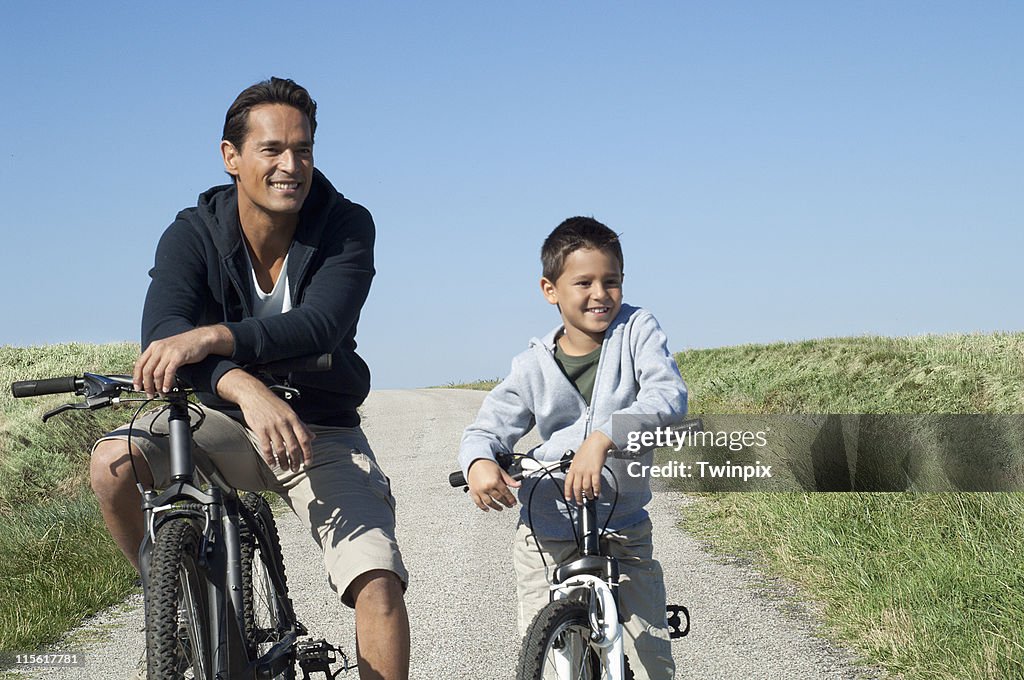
pixel 588 294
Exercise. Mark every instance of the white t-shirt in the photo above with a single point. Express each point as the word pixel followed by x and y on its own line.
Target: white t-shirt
pixel 277 301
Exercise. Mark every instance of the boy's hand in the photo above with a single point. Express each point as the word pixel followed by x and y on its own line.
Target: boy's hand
pixel 488 485
pixel 584 475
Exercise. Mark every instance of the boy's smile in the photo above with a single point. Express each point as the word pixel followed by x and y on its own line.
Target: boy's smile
pixel 588 294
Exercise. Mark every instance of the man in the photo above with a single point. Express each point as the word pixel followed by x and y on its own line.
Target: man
pixel 274 266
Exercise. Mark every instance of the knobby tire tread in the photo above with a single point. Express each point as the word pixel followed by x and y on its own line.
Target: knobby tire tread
pixel 176 549
pixel 260 509
pixel 539 638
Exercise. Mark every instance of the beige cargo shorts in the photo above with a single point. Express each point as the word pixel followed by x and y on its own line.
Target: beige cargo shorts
pixel 343 498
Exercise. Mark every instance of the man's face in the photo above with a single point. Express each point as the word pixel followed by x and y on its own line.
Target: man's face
pixel 274 167
pixel 588 293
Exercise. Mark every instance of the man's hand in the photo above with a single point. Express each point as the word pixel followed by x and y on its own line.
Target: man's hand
pixel 283 438
pixel 155 368
pixel 584 475
pixel 488 485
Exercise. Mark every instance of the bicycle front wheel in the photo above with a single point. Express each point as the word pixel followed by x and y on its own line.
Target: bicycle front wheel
pixel 266 620
pixel 177 606
pixel 557 645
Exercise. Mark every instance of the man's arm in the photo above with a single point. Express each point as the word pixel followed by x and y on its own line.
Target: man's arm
pixel 156 367
pixel 283 438
pixel 175 302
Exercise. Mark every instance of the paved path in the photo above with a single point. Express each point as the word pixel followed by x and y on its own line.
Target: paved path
pixel 461 598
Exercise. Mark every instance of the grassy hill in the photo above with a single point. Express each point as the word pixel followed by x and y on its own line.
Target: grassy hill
pixel 57 563
pixel 929 585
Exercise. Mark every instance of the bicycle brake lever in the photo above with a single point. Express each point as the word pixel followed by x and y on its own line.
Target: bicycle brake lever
pixel 90 404
pixel 60 409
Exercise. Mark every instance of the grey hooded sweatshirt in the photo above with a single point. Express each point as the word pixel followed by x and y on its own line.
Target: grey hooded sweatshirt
pixel 638 387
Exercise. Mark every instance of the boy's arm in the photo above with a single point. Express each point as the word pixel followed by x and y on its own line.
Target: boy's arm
pixel 662 398
pixel 504 418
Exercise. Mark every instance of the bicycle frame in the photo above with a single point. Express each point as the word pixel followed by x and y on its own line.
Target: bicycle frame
pixel 598 576
pixel 217 507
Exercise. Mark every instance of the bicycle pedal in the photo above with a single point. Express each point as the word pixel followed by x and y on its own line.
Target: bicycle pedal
pixel 316 656
pixel 675 613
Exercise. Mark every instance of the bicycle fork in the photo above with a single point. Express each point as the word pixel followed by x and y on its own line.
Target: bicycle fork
pixel 605 628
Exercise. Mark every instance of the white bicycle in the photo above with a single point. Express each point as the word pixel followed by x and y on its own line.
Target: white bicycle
pixel 578 634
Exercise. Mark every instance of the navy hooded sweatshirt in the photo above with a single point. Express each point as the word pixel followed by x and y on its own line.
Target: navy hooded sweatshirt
pixel 202 277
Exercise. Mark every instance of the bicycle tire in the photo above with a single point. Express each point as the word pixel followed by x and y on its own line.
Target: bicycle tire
pixel 559 624
pixel 177 606
pixel 261 602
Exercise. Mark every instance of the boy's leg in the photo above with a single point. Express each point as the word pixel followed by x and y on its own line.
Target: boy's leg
pixel 345 500
pixel 642 600
pixel 534 574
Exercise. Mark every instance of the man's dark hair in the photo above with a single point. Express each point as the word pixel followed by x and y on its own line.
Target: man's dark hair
pixel 574 234
pixel 273 91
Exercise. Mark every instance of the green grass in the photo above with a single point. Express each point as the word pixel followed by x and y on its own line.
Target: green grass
pixel 485 385
pixel 57 563
pixel 59 566
pixel 928 374
pixel 927 585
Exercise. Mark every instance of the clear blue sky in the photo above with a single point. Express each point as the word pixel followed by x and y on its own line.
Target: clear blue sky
pixel 777 170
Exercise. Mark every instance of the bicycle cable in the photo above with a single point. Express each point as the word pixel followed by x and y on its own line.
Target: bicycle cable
pixel 529 517
pixel 529 504
pixel 131 429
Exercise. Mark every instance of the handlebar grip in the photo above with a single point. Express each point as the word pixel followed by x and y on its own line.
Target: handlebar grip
pixel 311 363
pixel 37 388
pixel 506 461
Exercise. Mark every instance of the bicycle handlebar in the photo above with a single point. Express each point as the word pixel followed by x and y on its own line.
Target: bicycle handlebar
pixel 514 464
pixel 72 383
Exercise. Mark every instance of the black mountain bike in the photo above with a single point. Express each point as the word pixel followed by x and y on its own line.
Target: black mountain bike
pixel 217 604
pixel 578 635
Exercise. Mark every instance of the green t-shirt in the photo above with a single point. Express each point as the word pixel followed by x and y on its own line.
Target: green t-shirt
pixel 580 371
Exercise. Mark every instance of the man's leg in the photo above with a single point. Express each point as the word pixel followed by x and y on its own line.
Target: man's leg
pixel 382 626
pixel 110 469
pixel 110 472
pixel 345 499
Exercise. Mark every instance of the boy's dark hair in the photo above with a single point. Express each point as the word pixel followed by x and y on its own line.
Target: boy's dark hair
pixel 273 91
pixel 574 234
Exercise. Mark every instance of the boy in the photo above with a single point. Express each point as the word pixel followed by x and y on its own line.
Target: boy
pixel 606 359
